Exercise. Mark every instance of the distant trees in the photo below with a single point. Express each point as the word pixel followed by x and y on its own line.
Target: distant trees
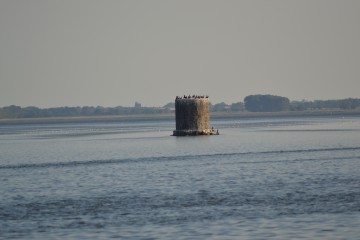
pixel 170 105
pixel 220 107
pixel 253 103
pixel 34 112
pixel 266 103
pixel 137 105
pixel 349 103
pixel 237 107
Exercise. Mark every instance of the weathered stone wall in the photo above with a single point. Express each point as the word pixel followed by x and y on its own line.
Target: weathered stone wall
pixel 192 116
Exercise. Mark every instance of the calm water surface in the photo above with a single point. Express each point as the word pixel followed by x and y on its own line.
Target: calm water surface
pixel 262 178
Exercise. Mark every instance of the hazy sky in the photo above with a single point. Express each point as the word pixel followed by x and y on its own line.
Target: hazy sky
pixel 111 53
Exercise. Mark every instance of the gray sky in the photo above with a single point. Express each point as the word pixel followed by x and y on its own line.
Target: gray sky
pixel 111 53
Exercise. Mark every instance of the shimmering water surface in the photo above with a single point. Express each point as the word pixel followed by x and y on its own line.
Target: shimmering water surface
pixel 261 178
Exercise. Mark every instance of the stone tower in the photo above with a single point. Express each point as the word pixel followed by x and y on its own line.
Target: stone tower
pixel 192 116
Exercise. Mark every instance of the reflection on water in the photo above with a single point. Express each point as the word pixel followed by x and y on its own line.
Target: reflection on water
pixel 261 178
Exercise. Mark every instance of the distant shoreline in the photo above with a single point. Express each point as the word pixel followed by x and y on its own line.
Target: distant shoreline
pixel 214 115
pixel 309 113
pixel 107 118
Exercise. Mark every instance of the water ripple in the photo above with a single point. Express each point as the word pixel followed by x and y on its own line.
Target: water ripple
pixel 185 157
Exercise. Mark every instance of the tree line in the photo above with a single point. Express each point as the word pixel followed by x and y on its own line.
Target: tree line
pixel 34 112
pixel 251 103
pixel 272 103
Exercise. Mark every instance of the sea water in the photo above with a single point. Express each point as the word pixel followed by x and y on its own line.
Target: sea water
pixel 261 178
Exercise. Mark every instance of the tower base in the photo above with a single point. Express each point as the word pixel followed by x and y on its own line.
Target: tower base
pixel 195 132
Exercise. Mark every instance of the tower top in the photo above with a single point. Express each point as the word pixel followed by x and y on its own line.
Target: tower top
pixel 192 97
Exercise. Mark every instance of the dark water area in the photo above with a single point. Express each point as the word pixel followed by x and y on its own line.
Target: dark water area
pixel 262 178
